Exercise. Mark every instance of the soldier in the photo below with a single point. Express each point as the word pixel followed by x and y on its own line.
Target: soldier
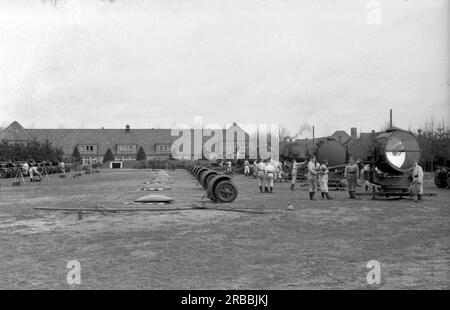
pixel 25 168
pixel 261 167
pixel 323 179
pixel 366 176
pixel 417 180
pixel 34 173
pixel 255 169
pixel 351 173
pixel 312 173
pixel 277 171
pixel 62 165
pixel 295 167
pixel 229 167
pixel 270 175
pixel 246 167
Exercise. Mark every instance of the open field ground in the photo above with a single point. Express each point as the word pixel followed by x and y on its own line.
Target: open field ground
pixel 319 245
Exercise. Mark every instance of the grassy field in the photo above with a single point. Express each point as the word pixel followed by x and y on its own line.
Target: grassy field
pixel 319 245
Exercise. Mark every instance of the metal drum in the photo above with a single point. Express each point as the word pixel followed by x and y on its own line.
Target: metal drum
pixel 334 151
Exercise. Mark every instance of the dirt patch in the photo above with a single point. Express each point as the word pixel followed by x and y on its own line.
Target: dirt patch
pixel 321 244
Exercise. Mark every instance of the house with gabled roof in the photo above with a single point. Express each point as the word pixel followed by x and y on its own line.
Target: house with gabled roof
pixel 15 134
pixel 341 136
pixel 93 143
pixel 124 143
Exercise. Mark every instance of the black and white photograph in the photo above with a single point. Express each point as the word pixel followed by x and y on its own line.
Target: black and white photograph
pixel 224 149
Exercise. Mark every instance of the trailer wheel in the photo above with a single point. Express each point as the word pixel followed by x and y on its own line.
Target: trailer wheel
pixel 440 181
pixel 225 191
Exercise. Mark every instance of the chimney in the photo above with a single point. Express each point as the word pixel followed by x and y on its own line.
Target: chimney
pixel 354 133
pixel 127 127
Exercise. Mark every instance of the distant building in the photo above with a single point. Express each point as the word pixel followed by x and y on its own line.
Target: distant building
pixel 93 143
pixel 124 143
pixel 341 136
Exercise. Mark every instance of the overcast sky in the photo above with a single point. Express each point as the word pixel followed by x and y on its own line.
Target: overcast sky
pixel 93 64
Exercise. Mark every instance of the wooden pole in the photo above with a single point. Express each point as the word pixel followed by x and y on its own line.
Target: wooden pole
pixel 390 118
pixel 81 210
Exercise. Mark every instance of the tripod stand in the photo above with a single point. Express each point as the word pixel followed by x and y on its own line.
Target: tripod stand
pixel 16 178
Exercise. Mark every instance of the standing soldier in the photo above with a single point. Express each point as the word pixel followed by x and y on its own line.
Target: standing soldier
pixel 318 174
pixel 229 167
pixel 261 167
pixel 25 168
pixel 323 179
pixel 351 173
pixel 366 176
pixel 255 169
pixel 246 167
pixel 277 172
pixel 63 167
pixel 270 175
pixel 418 180
pixel 295 167
pixel 312 173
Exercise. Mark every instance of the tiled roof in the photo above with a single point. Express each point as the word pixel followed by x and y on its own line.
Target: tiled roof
pixel 104 138
pixel 341 135
pixel 15 132
pixel 67 139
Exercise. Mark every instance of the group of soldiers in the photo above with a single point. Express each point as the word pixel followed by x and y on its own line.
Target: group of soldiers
pixel 317 176
pixel 32 170
pixel 269 171
pixel 266 171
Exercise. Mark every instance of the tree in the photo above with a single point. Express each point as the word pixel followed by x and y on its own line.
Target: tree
pixel 33 150
pixel 76 154
pixel 108 156
pixel 140 154
pixel 434 141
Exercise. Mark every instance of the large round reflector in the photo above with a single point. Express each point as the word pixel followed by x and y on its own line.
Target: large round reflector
pixel 401 149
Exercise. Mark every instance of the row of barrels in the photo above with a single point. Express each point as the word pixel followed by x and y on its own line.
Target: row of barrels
pixel 219 187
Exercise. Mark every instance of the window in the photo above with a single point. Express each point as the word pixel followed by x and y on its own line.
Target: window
pixel 126 148
pixel 165 148
pixel 87 148
pixel 89 160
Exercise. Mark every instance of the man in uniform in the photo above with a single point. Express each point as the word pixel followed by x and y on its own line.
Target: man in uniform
pixel 246 167
pixel 295 166
pixel 351 173
pixel 323 179
pixel 270 175
pixel 62 165
pixel 34 173
pixel 25 168
pixel 366 176
pixel 312 173
pixel 277 171
pixel 229 167
pixel 255 169
pixel 417 182
pixel 261 169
